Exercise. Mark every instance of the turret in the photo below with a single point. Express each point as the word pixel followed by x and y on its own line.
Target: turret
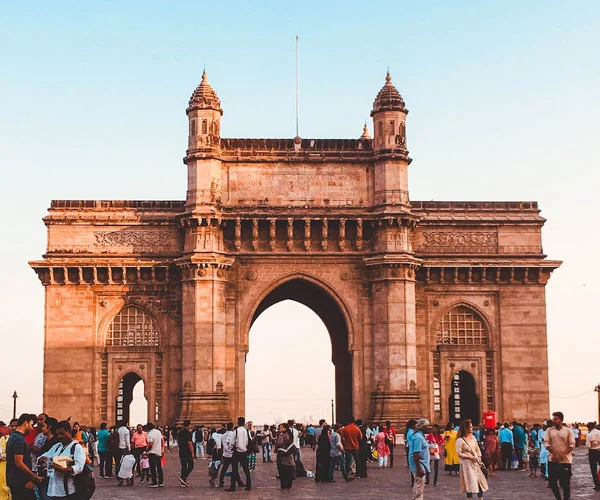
pixel 204 115
pixel 389 118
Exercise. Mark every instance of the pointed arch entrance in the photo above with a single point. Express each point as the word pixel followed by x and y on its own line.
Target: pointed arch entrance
pixel 125 397
pixel 329 311
pixel 463 400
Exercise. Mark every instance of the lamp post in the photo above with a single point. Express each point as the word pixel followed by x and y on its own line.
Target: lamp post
pixel 14 396
pixel 332 415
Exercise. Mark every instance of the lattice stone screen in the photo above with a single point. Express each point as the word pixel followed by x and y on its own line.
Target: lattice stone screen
pixel 132 327
pixel 461 326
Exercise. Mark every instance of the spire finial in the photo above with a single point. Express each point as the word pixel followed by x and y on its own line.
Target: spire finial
pixel 365 134
pixel 204 75
pixel 388 78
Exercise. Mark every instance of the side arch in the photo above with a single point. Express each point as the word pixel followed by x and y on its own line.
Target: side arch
pixel 146 330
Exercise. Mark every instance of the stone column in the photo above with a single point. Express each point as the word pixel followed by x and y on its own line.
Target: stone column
pixel 204 362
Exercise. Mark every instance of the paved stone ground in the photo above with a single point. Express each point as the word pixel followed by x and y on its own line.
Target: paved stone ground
pixel 387 484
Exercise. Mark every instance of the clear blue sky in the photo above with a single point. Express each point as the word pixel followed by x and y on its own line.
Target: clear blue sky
pixel 504 100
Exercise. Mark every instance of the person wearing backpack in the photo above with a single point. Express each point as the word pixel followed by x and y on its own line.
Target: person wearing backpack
pixel 62 471
pixel 240 455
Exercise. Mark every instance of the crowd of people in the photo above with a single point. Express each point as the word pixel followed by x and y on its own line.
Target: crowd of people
pixel 43 458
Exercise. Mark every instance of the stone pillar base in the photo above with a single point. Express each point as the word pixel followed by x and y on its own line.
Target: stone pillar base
pixel 206 408
pixel 396 406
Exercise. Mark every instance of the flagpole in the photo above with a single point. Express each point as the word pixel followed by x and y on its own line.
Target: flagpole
pixel 297 85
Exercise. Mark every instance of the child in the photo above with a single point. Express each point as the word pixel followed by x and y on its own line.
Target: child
pixel 126 469
pixel 145 466
pixel 534 459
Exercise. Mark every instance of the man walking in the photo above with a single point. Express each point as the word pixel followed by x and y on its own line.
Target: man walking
pixel 418 458
pixel 155 453
pixel 506 447
pixel 227 444
pixel 186 453
pixel 240 455
pixel 560 443
pixel 592 443
pixel 336 454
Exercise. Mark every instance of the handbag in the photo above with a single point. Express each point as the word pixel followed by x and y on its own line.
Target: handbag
pixel 482 467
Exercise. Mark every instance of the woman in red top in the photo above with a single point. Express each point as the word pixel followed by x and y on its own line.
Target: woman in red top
pixel 436 443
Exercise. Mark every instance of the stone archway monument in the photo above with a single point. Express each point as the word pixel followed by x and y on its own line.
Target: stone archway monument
pixel 171 288
pixel 327 222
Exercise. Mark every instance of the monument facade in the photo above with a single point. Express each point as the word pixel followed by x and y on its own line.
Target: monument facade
pixel 434 309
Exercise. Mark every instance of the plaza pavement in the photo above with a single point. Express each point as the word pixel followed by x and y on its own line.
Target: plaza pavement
pixel 386 484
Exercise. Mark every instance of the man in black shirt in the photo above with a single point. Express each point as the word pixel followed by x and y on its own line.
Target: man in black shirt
pixel 186 452
pixel 19 477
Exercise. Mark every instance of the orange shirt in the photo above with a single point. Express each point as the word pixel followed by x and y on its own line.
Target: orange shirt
pixel 139 439
pixel 351 437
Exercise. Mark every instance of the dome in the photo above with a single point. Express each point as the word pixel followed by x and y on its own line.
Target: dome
pixel 388 98
pixel 205 97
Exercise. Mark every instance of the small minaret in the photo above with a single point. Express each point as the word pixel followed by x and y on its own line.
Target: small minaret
pixel 204 115
pixel 204 147
pixel 389 118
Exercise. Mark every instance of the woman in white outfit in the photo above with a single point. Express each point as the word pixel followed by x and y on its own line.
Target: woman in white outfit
pixel 472 480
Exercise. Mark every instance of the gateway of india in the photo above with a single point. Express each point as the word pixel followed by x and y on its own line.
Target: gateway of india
pixel 434 308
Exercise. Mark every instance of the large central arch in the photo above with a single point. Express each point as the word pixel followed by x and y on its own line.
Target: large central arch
pixel 329 311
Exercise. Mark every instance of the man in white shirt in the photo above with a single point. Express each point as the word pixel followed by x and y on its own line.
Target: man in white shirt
pixel 155 452
pixel 592 443
pixel 560 443
pixel 240 455
pixel 124 444
pixel 227 442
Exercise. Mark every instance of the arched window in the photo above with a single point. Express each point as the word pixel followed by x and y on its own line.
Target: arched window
pixel 461 325
pixel 132 327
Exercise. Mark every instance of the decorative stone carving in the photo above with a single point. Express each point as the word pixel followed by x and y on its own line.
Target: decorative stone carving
pixel 459 241
pixel 133 238
pixel 251 275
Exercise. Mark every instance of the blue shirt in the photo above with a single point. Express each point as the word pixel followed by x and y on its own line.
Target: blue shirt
pixel 506 436
pixel 102 436
pixel 419 444
pixel 519 437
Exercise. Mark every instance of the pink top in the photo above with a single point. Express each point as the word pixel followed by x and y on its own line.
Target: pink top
pixel 382 448
pixel 139 439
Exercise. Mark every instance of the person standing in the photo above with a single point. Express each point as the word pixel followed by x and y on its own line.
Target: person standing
pixel 383 450
pixel 436 442
pixel 472 480
pixel 62 483
pixel 284 448
pixel 240 455
pixel 186 452
pixel 124 444
pixel 139 444
pixel 323 454
pixel 451 463
pixel 265 438
pixel 391 441
pixel 336 454
pixel 592 443
pixel 155 453
pixel 491 451
pixel 364 450
pixel 227 446
pixel 560 443
pixel 4 489
pixel 105 457
pixel 20 478
pixel 506 447
pixel 351 437
pixel 418 457
pixel 520 441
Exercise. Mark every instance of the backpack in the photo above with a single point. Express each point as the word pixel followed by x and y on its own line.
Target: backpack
pixel 84 482
pixel 112 441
